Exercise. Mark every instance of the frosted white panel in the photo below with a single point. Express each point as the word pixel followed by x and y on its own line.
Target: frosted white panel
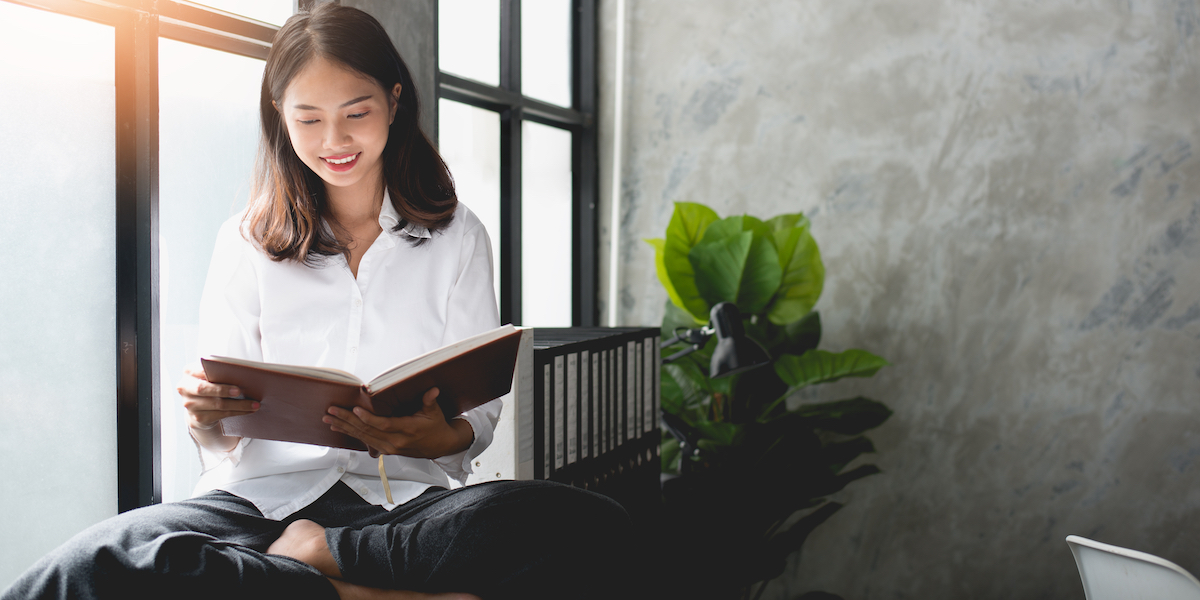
pixel 58 297
pixel 546 226
pixel 208 137
pixel 470 145
pixel 469 39
pixel 274 12
pixel 546 50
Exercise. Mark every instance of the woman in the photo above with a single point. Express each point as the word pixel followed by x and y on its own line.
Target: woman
pixel 355 254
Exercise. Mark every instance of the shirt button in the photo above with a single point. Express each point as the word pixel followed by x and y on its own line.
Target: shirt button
pixel 341 469
pixel 357 302
pixel 363 490
pixel 353 349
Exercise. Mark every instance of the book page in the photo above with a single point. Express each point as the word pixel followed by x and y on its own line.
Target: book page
pixel 326 373
pixel 419 363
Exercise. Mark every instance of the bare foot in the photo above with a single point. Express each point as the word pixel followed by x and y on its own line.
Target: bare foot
pixel 349 591
pixel 304 540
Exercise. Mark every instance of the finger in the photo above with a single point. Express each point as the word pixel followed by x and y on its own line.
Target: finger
pixel 430 397
pixel 371 419
pixel 192 386
pixel 207 388
pixel 209 404
pixel 196 370
pixel 430 408
pixel 355 429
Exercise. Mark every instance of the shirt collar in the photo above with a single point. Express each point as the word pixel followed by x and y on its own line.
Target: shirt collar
pixel 389 218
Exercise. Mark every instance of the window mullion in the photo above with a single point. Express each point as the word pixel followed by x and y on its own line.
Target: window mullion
pixel 137 257
pixel 584 164
pixel 510 164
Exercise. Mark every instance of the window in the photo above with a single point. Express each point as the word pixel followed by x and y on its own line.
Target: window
pixel 60 290
pixel 517 98
pixel 112 207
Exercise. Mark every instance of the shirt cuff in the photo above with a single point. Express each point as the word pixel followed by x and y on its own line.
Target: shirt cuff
pixel 458 465
pixel 210 459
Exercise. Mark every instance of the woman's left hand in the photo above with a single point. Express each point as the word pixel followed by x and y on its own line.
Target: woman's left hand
pixel 425 434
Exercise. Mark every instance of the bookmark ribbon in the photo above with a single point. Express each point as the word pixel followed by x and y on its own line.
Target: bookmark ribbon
pixel 387 488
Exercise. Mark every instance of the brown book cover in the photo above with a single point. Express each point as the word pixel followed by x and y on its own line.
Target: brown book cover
pixel 293 399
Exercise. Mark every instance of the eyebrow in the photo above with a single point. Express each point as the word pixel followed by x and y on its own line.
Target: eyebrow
pixel 344 104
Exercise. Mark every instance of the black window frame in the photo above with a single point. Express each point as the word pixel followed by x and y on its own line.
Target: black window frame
pixel 137 26
pixel 514 108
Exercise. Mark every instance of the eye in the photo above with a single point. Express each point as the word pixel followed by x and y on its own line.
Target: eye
pixel 308 122
pixel 358 115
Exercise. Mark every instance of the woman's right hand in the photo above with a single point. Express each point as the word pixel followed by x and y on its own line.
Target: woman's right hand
pixel 207 403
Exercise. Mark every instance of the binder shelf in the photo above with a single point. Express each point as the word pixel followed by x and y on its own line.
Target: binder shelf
pixel 584 411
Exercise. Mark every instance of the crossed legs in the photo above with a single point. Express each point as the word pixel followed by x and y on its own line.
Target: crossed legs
pixel 525 539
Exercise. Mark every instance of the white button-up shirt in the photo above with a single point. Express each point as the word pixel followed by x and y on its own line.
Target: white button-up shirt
pixel 406 300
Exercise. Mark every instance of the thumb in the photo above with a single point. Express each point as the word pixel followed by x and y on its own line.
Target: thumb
pixel 430 397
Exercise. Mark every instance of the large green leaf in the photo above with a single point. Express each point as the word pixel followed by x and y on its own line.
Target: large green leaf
pixel 803 274
pixel 720 434
pixel 788 221
pixel 801 335
pixel 686 229
pixel 839 454
pixel 674 319
pixel 671 393
pixel 689 382
pixel 660 268
pixel 848 417
pixel 820 366
pixel 731 226
pixel 743 269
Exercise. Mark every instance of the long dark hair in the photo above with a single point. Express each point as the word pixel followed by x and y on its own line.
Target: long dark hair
pixel 288 199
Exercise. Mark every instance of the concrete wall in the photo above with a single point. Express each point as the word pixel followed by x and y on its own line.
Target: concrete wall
pixel 1007 198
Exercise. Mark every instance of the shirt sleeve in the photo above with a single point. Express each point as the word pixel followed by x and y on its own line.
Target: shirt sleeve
pixel 229 315
pixel 229 305
pixel 472 309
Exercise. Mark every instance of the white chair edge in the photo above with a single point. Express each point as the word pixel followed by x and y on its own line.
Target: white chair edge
pixel 1134 554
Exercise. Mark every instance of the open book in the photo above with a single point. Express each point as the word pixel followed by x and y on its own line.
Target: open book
pixel 293 399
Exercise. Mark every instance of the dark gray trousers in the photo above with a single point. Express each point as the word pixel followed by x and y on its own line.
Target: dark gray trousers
pixel 504 539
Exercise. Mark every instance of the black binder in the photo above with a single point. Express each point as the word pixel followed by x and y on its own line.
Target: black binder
pixel 596 406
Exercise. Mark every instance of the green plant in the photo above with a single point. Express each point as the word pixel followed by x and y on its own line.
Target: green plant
pixel 735 507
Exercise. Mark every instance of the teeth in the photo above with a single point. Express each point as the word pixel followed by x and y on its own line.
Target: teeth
pixel 341 161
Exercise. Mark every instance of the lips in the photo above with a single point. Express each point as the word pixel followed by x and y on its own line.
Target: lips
pixel 343 162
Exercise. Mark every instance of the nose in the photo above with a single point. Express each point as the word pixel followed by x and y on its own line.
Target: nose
pixel 335 136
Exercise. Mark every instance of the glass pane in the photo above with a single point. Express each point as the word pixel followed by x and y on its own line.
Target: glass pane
pixel 469 39
pixel 208 136
pixel 274 12
pixel 546 50
pixel 546 226
pixel 58 348
pixel 470 145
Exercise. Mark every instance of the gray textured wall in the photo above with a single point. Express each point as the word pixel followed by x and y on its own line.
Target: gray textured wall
pixel 1007 198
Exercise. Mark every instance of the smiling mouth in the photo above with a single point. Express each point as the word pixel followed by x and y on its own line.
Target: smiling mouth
pixel 340 160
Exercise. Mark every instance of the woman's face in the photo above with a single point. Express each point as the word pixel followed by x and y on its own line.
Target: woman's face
pixel 338 120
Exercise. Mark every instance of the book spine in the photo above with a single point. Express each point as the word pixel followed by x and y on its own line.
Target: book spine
pixel 523 394
pixel 618 397
pixel 544 440
pixel 572 412
pixel 648 415
pixel 556 413
pixel 605 433
pixel 585 409
pixel 594 431
pixel 631 387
